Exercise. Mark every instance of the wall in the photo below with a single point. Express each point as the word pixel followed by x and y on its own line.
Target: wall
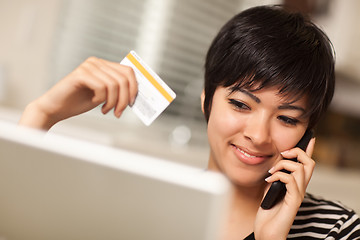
pixel 26 28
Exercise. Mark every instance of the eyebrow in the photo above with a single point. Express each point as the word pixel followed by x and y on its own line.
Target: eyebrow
pixel 291 107
pixel 284 106
pixel 255 98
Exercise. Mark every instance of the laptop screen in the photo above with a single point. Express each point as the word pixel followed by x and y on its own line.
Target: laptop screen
pixel 55 187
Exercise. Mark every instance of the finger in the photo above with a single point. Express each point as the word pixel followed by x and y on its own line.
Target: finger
pixel 292 188
pixel 112 87
pixel 310 147
pixel 123 100
pixel 288 165
pixel 112 90
pixel 127 81
pixel 128 86
pixel 113 79
pixel 304 159
pixel 90 77
pixel 128 72
pixel 295 168
pixel 99 89
pixel 133 85
pixel 298 154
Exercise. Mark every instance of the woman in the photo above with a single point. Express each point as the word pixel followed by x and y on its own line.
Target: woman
pixel 269 76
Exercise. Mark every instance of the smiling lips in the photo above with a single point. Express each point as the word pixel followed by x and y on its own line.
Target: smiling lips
pixel 249 158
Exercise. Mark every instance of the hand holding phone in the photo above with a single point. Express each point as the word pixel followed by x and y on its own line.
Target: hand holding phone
pixel 277 189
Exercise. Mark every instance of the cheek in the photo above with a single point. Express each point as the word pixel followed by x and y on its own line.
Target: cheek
pixel 222 124
pixel 285 140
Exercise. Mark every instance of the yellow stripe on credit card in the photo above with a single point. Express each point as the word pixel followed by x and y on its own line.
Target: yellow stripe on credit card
pixel 149 77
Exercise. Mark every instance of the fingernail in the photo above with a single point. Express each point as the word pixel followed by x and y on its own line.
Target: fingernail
pixel 132 101
pixel 267 179
pixel 271 170
pixel 284 152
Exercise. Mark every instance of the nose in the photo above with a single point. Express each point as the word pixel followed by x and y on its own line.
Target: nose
pixel 257 129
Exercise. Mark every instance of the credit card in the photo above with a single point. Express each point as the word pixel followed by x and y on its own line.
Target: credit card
pixel 154 96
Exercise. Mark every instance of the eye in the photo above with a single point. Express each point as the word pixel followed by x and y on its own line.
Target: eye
pixel 239 105
pixel 288 120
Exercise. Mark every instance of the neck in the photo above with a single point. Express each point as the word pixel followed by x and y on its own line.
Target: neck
pixel 243 207
pixel 242 212
pixel 247 199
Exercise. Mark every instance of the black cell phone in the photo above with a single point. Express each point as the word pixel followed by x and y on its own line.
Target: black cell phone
pixel 277 189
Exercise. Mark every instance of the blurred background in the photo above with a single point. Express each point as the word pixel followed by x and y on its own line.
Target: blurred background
pixel 43 40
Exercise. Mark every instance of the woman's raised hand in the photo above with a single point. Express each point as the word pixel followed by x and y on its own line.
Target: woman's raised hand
pixel 93 82
pixel 276 222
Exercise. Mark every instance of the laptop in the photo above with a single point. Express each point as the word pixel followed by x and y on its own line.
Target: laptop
pixel 56 187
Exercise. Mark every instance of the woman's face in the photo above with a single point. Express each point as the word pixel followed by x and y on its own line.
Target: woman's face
pixel 247 131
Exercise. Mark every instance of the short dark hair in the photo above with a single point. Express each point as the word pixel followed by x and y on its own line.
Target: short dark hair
pixel 269 46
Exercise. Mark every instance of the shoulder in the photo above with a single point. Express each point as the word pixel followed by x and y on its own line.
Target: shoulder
pixel 318 218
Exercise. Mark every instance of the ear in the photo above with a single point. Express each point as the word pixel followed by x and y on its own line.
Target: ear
pixel 202 97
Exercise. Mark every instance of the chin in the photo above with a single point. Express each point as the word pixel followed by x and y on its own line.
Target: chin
pixel 248 184
pixel 246 179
